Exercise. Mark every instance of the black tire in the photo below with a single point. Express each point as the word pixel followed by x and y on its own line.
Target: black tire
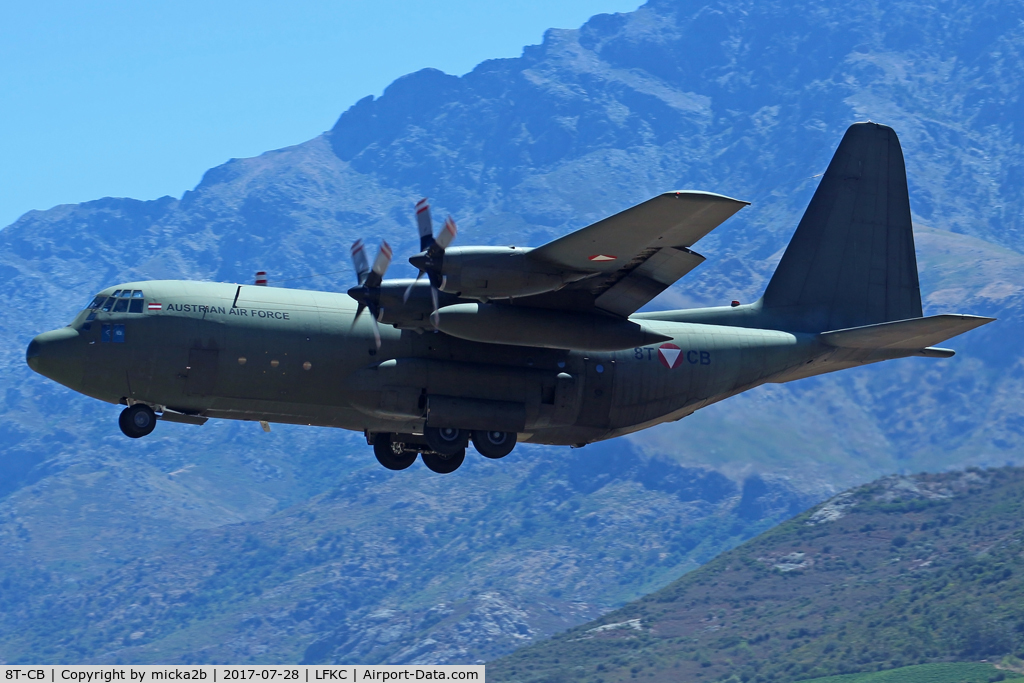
pixel 444 464
pixel 493 444
pixel 446 440
pixel 384 450
pixel 137 421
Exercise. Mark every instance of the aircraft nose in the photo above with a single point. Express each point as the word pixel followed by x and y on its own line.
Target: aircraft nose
pixel 49 352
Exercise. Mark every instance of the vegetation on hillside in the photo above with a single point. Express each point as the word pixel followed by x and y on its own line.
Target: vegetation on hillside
pixel 955 672
pixel 395 567
pixel 902 571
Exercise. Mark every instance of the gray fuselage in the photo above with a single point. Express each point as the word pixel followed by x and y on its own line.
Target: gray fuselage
pixel 294 356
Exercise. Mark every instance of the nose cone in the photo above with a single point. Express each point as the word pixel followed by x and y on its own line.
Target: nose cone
pixel 55 354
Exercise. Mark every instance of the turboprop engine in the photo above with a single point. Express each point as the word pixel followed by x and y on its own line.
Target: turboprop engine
pixel 486 273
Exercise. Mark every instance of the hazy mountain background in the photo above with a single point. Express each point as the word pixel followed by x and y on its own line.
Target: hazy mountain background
pixel 297 545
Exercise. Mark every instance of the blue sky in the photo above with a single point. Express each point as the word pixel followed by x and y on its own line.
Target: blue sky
pixel 138 99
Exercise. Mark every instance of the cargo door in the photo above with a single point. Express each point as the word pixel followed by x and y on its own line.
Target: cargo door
pixel 201 372
pixel 598 383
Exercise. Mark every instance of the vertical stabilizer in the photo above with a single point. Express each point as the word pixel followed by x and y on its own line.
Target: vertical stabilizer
pixel 851 261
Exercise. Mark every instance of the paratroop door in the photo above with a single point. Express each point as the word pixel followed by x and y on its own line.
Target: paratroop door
pixel 202 372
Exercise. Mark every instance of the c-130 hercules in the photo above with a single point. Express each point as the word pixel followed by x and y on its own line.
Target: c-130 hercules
pixel 501 344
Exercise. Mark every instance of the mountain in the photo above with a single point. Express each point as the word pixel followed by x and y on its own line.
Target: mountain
pixel 396 568
pixel 905 570
pixel 747 99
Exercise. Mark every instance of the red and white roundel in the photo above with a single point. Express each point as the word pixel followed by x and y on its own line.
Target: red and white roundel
pixel 601 257
pixel 670 355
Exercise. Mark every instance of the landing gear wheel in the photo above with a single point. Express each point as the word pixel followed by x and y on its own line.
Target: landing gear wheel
pixel 493 444
pixel 137 421
pixel 444 464
pixel 392 455
pixel 445 440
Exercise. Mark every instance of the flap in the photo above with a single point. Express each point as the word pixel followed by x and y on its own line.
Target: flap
pixel 648 280
pixel 673 219
pixel 916 333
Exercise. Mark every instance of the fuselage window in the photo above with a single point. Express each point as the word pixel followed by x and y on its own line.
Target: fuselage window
pixel 118 334
pixel 108 304
pixel 137 294
pixel 121 306
pixel 136 306
pixel 126 294
pixel 97 302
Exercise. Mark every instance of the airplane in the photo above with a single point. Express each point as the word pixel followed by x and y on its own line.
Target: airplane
pixel 499 345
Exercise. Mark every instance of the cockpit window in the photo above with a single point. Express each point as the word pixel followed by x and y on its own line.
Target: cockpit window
pixel 122 301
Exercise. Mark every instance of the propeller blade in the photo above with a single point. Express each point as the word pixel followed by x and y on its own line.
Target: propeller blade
pixel 376 330
pixel 380 265
pixel 359 261
pixel 408 290
pixel 425 225
pixel 435 317
pixel 359 311
pixel 383 260
pixel 447 234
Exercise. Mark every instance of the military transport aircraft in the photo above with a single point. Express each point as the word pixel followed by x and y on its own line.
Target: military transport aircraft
pixel 499 344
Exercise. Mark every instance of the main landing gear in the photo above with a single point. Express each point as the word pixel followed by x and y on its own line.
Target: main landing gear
pixel 442 449
pixel 137 421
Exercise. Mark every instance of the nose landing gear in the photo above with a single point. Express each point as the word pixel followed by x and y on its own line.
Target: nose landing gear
pixel 137 421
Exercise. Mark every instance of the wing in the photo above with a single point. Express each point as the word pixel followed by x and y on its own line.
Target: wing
pixel 635 254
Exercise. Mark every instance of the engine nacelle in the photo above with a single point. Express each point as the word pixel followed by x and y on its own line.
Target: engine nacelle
pixel 486 273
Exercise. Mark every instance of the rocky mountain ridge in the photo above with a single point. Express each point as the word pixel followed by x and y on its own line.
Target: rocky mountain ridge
pixel 746 99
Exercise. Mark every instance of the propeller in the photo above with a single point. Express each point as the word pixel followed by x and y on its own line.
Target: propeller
pixel 367 292
pixel 431 255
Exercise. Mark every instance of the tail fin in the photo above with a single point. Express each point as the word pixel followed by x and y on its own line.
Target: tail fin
pixel 851 261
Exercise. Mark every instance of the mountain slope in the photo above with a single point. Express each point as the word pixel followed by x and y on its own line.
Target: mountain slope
pixel 901 571
pixel 398 567
pixel 747 99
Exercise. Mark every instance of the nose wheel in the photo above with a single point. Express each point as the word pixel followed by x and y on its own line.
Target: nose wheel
pixel 137 421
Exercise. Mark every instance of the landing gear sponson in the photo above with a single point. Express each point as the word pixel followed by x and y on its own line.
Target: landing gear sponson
pixel 442 450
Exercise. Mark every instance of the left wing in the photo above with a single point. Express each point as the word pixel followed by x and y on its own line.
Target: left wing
pixel 635 254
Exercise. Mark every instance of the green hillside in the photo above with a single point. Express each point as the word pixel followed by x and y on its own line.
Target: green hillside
pixel 953 672
pixel 903 571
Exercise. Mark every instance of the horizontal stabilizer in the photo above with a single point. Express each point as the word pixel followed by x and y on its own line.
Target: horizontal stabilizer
pixel 916 333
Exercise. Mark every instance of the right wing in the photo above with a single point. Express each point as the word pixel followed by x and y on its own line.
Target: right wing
pixel 637 253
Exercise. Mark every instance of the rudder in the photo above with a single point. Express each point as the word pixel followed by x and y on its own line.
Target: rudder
pixel 851 261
